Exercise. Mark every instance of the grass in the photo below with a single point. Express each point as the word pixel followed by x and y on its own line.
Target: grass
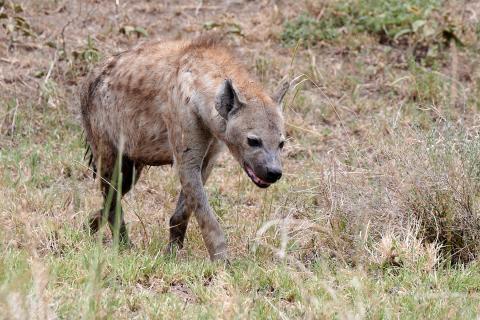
pixel 376 216
pixel 109 284
pixel 94 282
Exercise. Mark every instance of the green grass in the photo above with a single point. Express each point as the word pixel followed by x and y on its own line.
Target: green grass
pixel 309 30
pixel 413 20
pixel 93 281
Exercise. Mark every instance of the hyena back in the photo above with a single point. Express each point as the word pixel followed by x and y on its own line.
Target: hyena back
pixel 179 102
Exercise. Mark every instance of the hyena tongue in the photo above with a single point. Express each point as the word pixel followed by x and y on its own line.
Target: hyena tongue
pixel 254 177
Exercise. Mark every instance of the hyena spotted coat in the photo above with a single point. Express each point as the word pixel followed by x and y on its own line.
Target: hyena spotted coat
pixel 179 102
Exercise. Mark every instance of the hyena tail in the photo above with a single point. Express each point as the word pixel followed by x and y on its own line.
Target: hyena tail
pixel 88 92
pixel 89 157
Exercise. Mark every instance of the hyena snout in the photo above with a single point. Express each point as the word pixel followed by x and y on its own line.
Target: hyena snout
pixel 264 174
pixel 274 173
pixel 270 172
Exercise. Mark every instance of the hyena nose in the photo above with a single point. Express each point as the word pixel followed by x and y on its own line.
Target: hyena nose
pixel 274 174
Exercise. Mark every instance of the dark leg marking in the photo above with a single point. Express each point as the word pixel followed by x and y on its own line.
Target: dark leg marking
pixel 179 224
pixel 130 174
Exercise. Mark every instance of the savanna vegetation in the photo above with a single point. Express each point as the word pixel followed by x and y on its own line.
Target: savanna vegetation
pixel 378 213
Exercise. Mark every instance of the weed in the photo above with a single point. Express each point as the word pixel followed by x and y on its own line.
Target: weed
pixel 85 58
pixel 89 54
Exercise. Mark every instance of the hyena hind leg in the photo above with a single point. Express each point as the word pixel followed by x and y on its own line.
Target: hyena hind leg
pixel 130 175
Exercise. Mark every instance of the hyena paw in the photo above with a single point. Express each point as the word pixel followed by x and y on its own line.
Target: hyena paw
pixel 172 248
pixel 93 223
pixel 125 243
pixel 220 256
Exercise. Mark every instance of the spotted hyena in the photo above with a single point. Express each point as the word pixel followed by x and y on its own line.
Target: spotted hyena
pixel 180 103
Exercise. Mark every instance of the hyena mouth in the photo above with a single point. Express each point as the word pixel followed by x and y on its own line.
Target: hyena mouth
pixel 258 181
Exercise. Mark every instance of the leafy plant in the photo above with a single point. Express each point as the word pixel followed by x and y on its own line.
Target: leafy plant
pixel 89 53
pixel 132 30
pixel 85 58
pixel 13 23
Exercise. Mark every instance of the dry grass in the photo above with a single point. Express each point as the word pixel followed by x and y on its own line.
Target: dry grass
pixel 377 216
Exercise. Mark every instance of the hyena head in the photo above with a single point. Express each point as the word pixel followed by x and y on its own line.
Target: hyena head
pixel 254 132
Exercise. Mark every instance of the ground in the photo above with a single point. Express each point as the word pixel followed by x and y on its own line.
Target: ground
pixel 377 215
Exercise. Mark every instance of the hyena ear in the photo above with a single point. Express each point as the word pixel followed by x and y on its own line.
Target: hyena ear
pixel 281 92
pixel 228 101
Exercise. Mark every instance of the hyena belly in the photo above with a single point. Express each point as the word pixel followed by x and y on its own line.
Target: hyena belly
pixel 125 116
pixel 144 139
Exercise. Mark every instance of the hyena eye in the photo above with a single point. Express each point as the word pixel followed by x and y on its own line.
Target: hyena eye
pixel 254 142
pixel 281 145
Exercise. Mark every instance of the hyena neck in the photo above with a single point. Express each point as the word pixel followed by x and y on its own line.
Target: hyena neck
pixel 198 93
pixel 204 102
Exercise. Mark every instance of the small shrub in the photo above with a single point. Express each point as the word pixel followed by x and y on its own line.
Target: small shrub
pixel 84 58
pixel 88 54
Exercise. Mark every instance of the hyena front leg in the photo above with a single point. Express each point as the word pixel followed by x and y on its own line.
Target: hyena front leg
pixel 190 144
pixel 181 216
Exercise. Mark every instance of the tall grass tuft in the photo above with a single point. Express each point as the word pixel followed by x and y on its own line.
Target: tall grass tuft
pixel 444 192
